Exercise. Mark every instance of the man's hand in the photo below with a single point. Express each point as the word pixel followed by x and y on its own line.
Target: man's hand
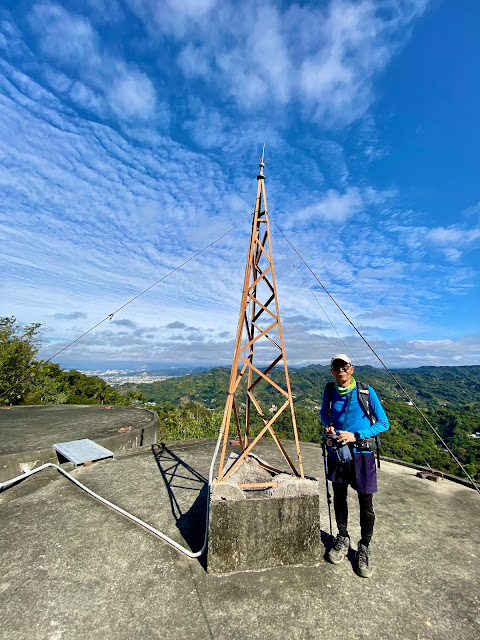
pixel 345 436
pixel 329 429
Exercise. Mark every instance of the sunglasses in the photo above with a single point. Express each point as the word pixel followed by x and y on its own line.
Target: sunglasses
pixel 342 367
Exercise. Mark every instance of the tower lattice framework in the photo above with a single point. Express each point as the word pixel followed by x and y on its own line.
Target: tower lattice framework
pixel 259 326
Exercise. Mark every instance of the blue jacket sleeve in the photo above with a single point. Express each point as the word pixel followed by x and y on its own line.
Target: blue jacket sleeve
pixel 381 423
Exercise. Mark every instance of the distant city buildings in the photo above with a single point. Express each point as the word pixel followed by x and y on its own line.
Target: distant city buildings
pixel 115 377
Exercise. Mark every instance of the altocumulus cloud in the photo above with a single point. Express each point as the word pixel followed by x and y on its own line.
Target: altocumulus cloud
pixel 322 58
pixel 103 79
pixel 126 137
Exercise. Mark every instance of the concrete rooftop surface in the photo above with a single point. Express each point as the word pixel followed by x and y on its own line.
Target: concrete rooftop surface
pixel 73 568
pixel 38 427
pixel 28 433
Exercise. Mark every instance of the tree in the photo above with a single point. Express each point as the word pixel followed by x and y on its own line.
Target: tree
pixel 136 397
pixel 18 348
pixel 25 380
pixel 50 385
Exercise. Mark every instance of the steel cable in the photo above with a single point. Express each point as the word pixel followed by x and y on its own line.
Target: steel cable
pixel 110 315
pixel 474 484
pixel 318 301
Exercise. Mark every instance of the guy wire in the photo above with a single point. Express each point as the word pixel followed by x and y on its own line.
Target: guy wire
pixel 110 315
pixel 414 404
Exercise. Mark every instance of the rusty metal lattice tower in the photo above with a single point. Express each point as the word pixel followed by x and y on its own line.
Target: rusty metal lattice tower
pixel 258 326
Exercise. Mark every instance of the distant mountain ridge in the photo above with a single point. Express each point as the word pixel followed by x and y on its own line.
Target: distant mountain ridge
pixel 454 387
pixel 449 395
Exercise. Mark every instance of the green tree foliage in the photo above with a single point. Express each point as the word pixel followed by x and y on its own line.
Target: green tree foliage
pixel 411 439
pixel 183 424
pixel 25 380
pixel 430 387
pixel 447 395
pixel 18 348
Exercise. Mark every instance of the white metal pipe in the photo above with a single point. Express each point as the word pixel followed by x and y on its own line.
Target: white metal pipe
pixel 163 536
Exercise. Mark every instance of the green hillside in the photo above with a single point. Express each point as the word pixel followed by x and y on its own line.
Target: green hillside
pixel 26 380
pixel 191 406
pixel 430 387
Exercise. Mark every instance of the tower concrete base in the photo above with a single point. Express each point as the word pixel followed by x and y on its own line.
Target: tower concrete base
pixel 258 533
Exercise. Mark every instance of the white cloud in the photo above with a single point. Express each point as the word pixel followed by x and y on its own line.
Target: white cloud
pixel 58 81
pixel 452 254
pixel 338 207
pixel 87 98
pixel 334 207
pixel 473 211
pixel 65 35
pixel 132 95
pixel 102 83
pixel 75 315
pixel 93 215
pixel 304 344
pixel 453 235
pixel 194 60
pixel 11 40
pixel 321 59
pixel 452 241
pixel 174 18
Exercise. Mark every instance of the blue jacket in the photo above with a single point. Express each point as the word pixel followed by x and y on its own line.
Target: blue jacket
pixel 357 421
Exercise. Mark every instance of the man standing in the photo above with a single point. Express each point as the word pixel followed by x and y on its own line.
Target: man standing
pixel 354 414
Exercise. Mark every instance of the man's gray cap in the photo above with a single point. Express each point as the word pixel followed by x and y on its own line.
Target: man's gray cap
pixel 341 356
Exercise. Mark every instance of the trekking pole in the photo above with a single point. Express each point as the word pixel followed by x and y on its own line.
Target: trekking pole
pixel 329 497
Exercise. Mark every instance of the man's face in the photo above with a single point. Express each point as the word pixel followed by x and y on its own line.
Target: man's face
pixel 342 372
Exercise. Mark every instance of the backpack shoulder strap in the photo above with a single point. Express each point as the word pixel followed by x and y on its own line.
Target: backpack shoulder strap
pixel 363 394
pixel 329 397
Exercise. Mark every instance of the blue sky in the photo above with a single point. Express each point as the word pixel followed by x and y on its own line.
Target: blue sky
pixel 129 133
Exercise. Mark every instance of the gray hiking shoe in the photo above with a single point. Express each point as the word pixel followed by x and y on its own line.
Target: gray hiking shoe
pixel 364 565
pixel 339 549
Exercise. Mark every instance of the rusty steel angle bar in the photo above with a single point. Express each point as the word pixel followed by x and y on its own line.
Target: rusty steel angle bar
pixel 257 485
pixel 239 377
pixel 259 269
pixel 247 327
pixel 254 442
pixel 267 282
pixel 239 431
pixel 267 336
pixel 261 277
pixel 264 308
pixel 285 454
pixel 259 313
pixel 243 455
pixel 267 370
pixel 280 333
pixel 226 429
pixel 262 250
pixel 260 335
pixel 257 407
pixel 264 377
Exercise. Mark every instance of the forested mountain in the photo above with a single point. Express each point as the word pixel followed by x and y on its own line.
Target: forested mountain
pixel 430 387
pixel 26 380
pixel 192 406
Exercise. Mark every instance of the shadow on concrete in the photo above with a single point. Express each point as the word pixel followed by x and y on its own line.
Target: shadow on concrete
pixel 179 475
pixel 327 539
